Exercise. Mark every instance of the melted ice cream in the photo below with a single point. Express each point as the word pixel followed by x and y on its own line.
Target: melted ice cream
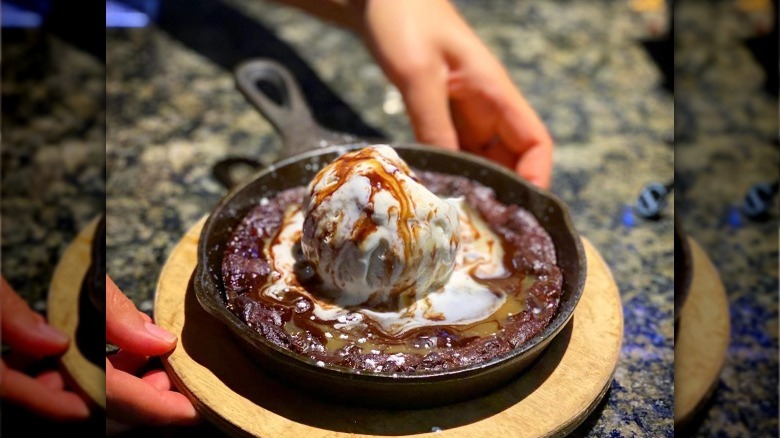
pixel 461 300
pixel 376 236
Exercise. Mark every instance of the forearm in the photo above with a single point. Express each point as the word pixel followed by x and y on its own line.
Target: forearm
pixel 343 13
pixel 362 16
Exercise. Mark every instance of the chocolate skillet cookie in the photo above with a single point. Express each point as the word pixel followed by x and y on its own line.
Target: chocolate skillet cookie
pixel 534 283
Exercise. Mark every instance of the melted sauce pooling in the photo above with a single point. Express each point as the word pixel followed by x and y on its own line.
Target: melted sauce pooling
pixel 354 326
pixel 530 283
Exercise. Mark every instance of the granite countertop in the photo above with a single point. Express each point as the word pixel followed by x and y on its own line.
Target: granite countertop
pixel 727 141
pixel 53 181
pixel 173 112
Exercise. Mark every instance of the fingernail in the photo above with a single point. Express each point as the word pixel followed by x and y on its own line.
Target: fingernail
pixel 51 333
pixel 160 333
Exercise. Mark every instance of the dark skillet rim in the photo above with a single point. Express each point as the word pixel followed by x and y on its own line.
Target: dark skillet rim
pixel 685 265
pixel 213 302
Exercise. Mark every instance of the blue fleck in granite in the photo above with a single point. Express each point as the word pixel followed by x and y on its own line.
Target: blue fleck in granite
pixel 172 113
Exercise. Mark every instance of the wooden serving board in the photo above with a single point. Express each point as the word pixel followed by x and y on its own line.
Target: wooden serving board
pixel 550 399
pixel 702 339
pixel 63 313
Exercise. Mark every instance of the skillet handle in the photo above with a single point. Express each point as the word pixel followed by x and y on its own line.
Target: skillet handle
pixel 271 88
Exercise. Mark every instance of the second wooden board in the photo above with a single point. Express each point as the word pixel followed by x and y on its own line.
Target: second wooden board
pixel 702 339
pixel 63 313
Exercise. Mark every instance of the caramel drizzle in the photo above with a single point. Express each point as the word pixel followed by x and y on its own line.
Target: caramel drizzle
pixel 380 179
pixel 515 285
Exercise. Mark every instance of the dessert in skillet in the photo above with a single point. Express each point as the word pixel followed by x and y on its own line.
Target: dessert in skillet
pixel 379 268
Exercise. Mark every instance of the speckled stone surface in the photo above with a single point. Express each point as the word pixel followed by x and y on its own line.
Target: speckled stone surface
pixel 53 181
pixel 173 113
pixel 727 141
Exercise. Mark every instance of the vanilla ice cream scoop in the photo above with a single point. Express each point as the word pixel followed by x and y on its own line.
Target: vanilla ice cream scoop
pixel 374 234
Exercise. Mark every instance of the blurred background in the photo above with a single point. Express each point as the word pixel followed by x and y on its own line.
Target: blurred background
pixel 727 164
pixel 630 102
pixel 52 180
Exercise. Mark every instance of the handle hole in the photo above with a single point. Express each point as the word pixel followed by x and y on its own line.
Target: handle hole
pixel 272 85
pixel 231 171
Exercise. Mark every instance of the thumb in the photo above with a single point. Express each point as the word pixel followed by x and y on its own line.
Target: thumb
pixel 127 328
pixel 427 102
pixel 25 330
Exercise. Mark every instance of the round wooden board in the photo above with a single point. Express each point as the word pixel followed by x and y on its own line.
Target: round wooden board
pixel 702 338
pixel 550 399
pixel 63 313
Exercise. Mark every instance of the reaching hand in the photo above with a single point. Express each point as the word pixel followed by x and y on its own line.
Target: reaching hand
pixel 32 339
pixel 456 93
pixel 139 400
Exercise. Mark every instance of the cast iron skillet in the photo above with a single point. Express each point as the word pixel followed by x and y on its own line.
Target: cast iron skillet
pixel 308 147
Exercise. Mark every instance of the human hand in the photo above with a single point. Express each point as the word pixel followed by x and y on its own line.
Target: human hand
pixel 457 94
pixel 32 339
pixel 149 399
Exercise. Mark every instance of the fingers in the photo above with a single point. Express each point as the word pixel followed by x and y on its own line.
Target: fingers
pixel 28 334
pixel 427 102
pixel 145 401
pixel 400 36
pixel 536 166
pixel 25 330
pixel 128 362
pixel 473 110
pixel 43 396
pixel 533 168
pixel 148 400
pixel 158 379
pixel 52 379
pixel 497 151
pixel 523 132
pixel 127 328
